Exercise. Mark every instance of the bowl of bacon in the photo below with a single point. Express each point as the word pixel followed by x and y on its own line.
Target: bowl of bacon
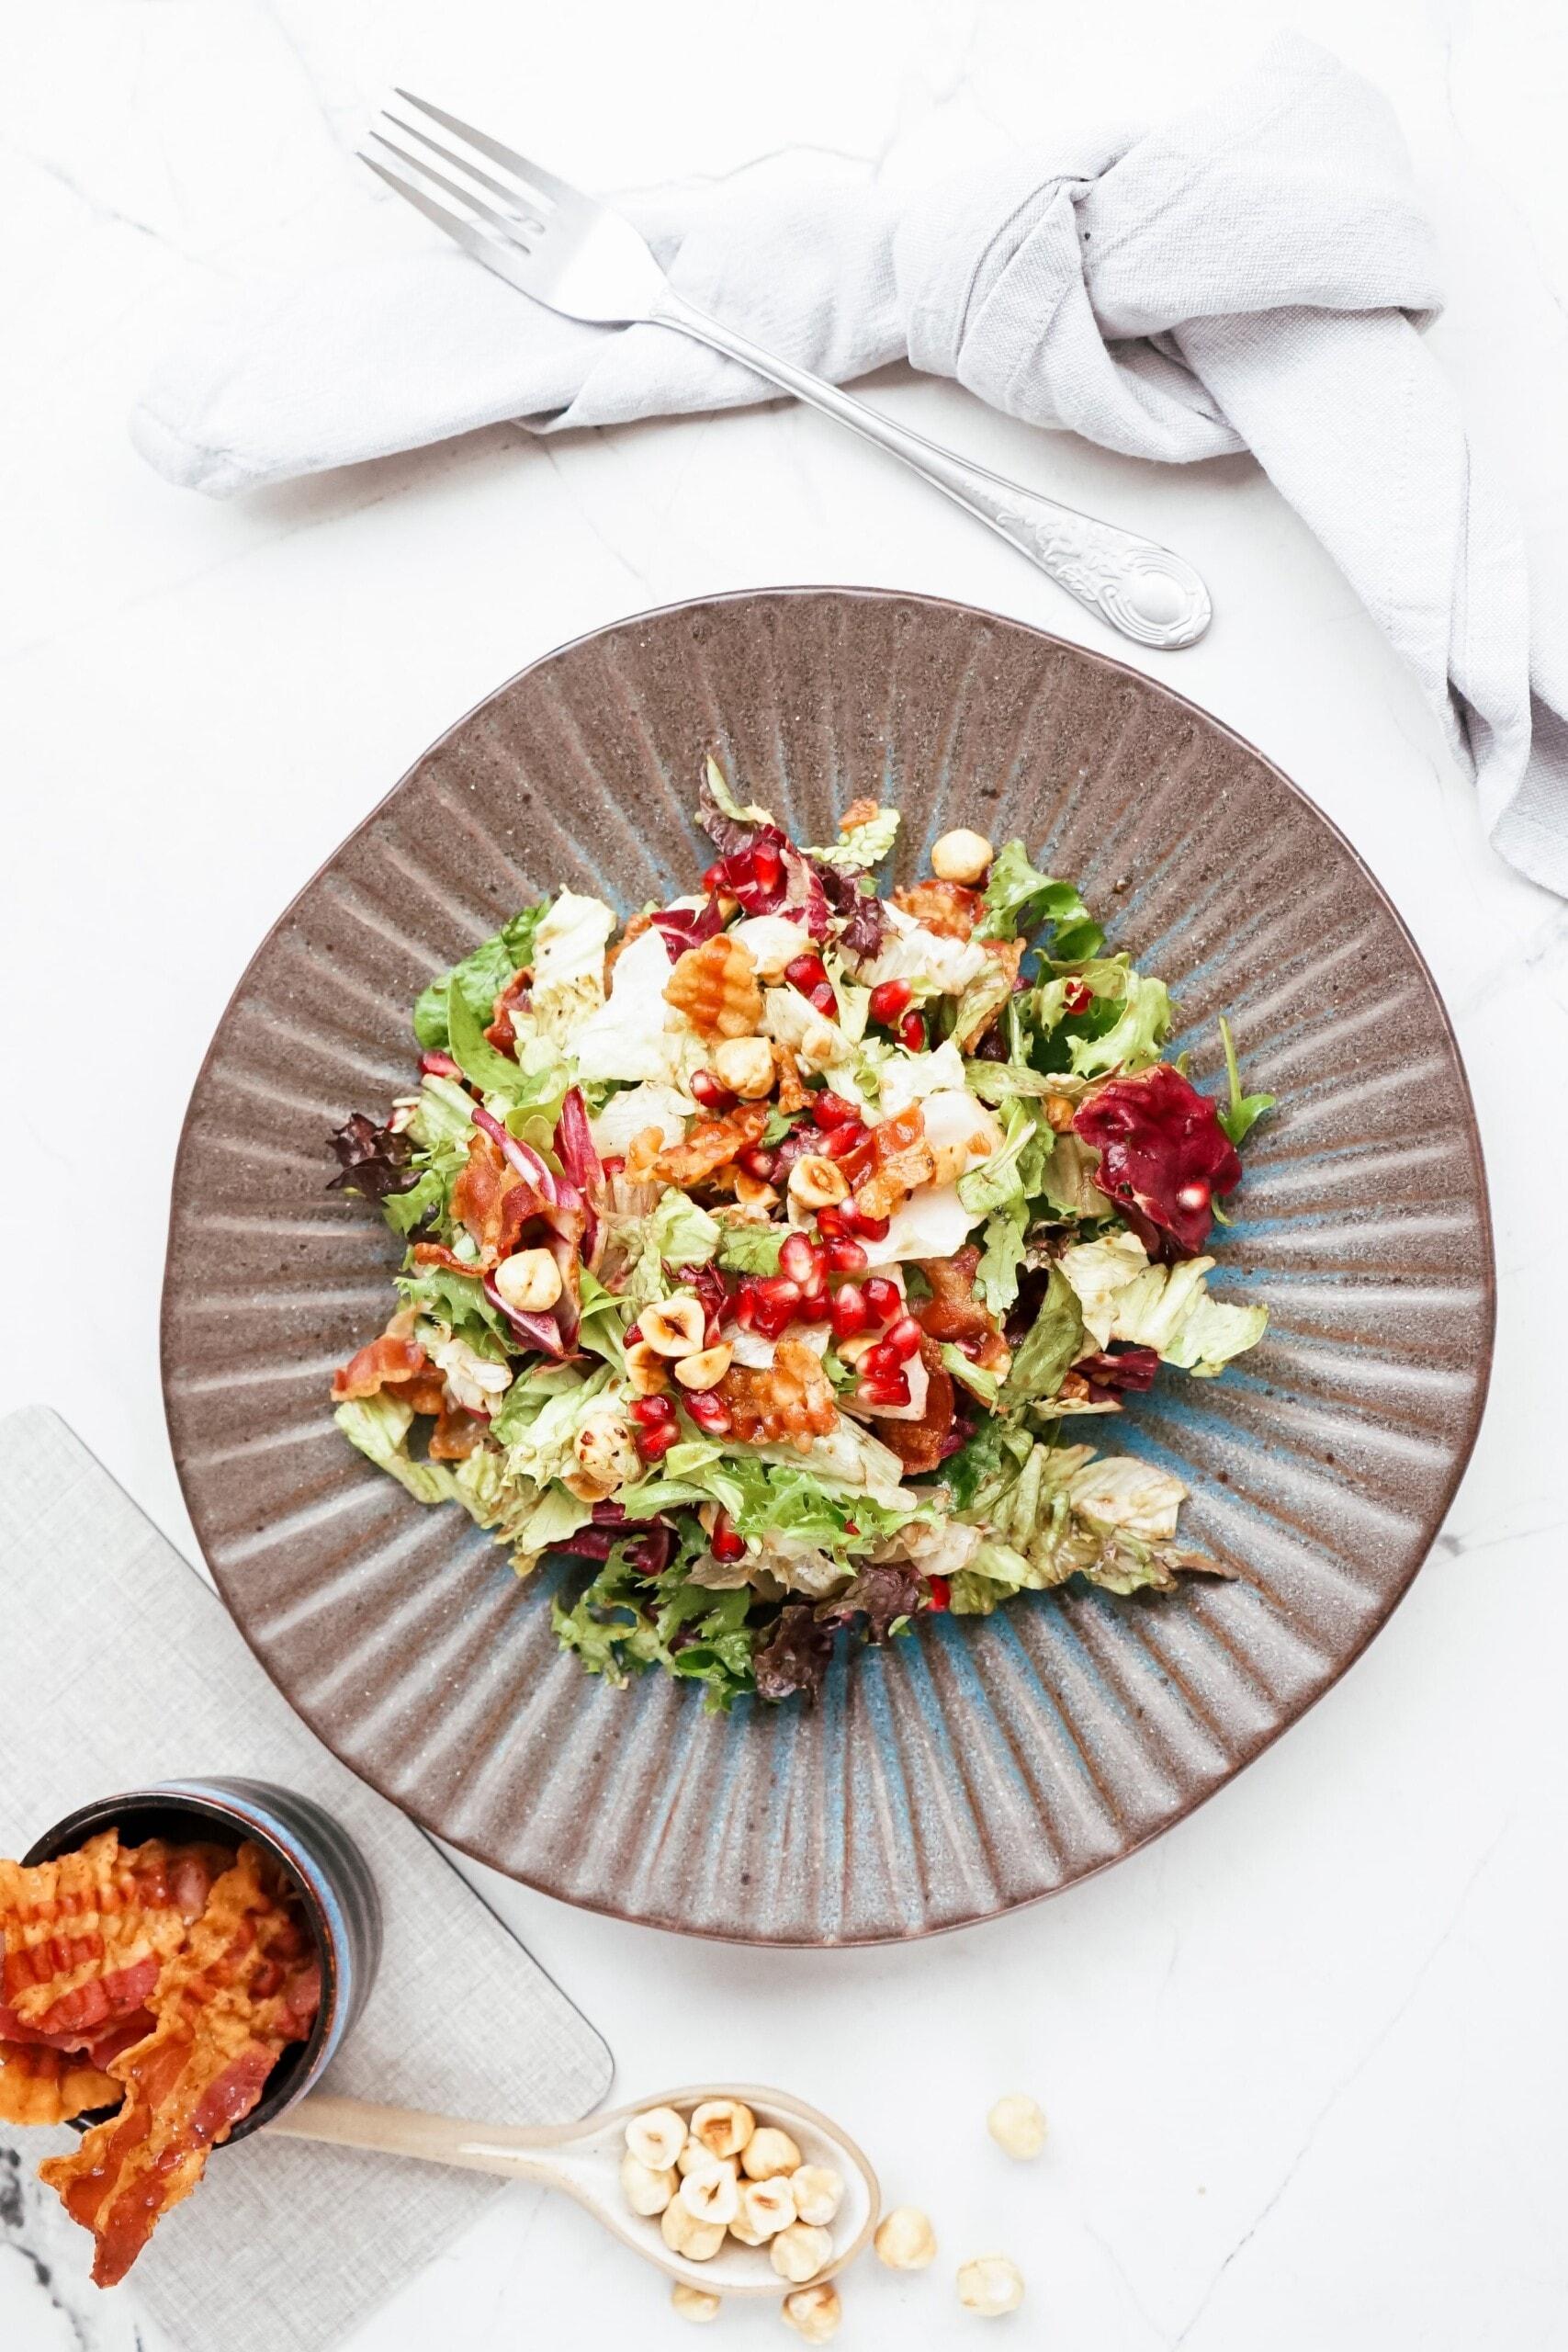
pixel 181 1963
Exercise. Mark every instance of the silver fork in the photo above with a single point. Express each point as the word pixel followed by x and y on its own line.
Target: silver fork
pixel 575 255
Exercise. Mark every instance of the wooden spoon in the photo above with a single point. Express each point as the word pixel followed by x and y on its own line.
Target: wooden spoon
pixel 585 2159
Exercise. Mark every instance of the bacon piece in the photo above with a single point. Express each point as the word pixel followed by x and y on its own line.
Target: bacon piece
pixel 84 1937
pixel 711 1144
pixel 244 1985
pixel 953 1311
pixel 382 1364
pixel 921 1445
pixel 501 1033
pixel 902 1160
pixel 949 909
pixel 492 1199
pixel 456 1434
pixel 41 2085
pixel 859 812
pixel 790 1403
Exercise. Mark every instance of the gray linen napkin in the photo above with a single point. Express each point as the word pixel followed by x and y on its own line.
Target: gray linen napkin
pixel 1249 276
pixel 118 1666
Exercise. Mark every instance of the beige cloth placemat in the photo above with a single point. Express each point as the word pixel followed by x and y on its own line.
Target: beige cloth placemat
pixel 118 1666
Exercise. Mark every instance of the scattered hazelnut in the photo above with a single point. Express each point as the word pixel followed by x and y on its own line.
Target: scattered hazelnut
pixel 694 2303
pixel 745 1065
pixel 818 2191
pixel 646 1370
pixel 961 856
pixel 768 2150
pixel 990 2285
pixel 683 2234
pixel 711 2192
pixel 606 1456
pixel 814 2312
pixel 905 2239
pixel 529 1280
pixel 799 2252
pixel 692 2157
pixel 647 2191
pixel 674 1327
pixel 655 2137
pixel 769 2206
pixel 704 1368
pixel 741 2228
pixel 818 1182
pixel 1060 1113
pixel 1017 2124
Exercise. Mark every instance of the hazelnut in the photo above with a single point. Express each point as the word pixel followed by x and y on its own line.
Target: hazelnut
pixel 768 2206
pixel 961 856
pixel 744 1065
pixel 1017 2125
pixel 799 2252
pixel 768 2150
pixel 752 1193
pixel 606 1455
pixel 818 1182
pixel 674 1327
pixel 692 2157
pixel 991 2286
pixel 814 2312
pixel 818 2191
pixel 530 1281
pixel 646 2191
pixel 905 2239
pixel 646 1373
pixel 1060 1112
pixel 694 2303
pixel 655 2137
pixel 704 1368
pixel 709 2191
pixel 683 2234
pixel 740 2228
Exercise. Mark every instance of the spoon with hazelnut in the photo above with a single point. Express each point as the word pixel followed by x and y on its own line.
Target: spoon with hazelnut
pixel 730 2190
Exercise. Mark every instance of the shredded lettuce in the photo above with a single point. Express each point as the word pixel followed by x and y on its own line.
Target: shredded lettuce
pixel 1043 1358
pixel 863 846
pixel 751 1248
pixel 1164 1307
pixel 1019 900
pixel 479 977
pixel 1242 1111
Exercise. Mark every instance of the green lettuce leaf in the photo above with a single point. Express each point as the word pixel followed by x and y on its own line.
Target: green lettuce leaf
pixel 379 1426
pixel 979 1383
pixel 863 846
pixel 1244 1110
pixel 1011 1174
pixel 1001 1256
pixel 1018 897
pixel 1045 1355
pixel 480 976
pixel 751 1248
pixel 459 1300
pixel 684 1233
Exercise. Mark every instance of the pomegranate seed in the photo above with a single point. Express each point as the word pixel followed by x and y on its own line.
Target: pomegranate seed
pixel 707 1089
pixel 939 1595
pixel 708 1409
pixel 889 999
pixel 653 1443
pixel 872 1228
pixel 797 1259
pixel 777 1299
pixel 1193 1197
pixel 724 1544
pixel 1076 996
pixel 830 1224
pixel 849 1312
pixel 838 1142
pixel 904 1339
pixel 650 1410
pixel 757 1162
pixel 746 1305
pixel 767 866
pixel 885 1298
pixel 823 999
pixel 713 875
pixel 912 1032
pixel 634 1333
pixel 881 1361
pixel 614 1166
pixel 815 1308
pixel 832 1111
pixel 889 1388
pixel 805 973
pixel 846 1258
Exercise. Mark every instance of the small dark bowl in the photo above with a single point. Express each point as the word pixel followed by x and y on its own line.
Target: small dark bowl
pixel 324 1867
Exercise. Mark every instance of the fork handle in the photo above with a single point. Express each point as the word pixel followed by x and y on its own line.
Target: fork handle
pixel 1141 588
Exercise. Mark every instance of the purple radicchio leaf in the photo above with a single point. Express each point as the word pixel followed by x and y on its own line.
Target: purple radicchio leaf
pixel 373 1161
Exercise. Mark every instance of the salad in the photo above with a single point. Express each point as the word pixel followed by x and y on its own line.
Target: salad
pixel 775 1253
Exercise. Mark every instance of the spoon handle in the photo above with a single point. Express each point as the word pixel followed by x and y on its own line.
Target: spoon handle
pixel 508 2150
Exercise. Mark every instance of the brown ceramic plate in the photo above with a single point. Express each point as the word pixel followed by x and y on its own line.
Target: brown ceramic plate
pixel 983 1763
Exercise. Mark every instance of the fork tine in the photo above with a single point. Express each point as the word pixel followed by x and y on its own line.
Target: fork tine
pixel 509 196
pixel 540 182
pixel 472 237
pixel 423 171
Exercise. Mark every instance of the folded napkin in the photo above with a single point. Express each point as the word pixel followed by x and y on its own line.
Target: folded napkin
pixel 1251 276
pixel 119 1667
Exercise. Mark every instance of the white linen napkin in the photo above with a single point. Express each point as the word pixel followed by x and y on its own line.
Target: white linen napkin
pixel 1250 276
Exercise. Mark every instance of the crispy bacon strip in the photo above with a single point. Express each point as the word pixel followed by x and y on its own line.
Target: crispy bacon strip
pixel 953 1311
pixel 501 1033
pixel 903 1159
pixel 711 1144
pixel 84 1935
pixel 243 1986
pixel 920 1444
pixel 40 2084
pixel 385 1363
pixel 947 908
pixel 456 1434
pixel 492 1199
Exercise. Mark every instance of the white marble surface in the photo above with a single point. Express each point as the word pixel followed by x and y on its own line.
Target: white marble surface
pixel 1302 2058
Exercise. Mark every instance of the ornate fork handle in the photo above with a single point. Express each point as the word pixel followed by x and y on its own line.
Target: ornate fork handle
pixel 1139 587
